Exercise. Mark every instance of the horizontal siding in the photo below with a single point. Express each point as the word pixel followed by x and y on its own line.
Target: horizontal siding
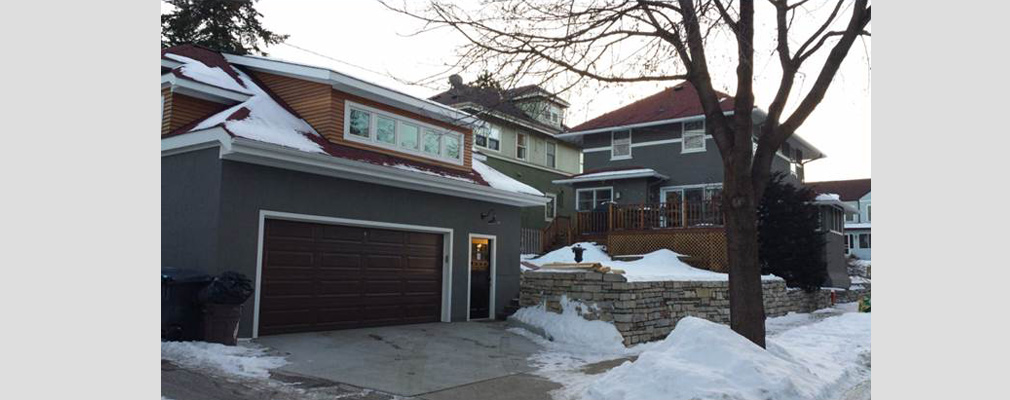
pixel 311 100
pixel 186 109
pixel 166 111
pixel 323 108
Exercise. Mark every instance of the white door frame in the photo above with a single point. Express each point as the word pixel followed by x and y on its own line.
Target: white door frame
pixel 447 235
pixel 469 270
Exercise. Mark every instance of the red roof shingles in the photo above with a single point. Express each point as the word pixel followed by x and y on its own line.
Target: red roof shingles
pixel 848 190
pixel 674 102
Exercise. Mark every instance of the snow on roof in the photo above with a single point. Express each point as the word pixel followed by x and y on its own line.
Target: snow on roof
pixel 832 199
pixel 614 174
pixel 827 197
pixel 259 118
pixel 861 225
pixel 501 181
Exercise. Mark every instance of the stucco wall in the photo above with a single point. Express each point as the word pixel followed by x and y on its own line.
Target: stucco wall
pixel 222 233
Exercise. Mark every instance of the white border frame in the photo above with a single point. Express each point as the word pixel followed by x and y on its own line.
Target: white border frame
pixel 469 271
pixel 612 156
pixel 373 140
pixel 592 189
pixel 554 199
pixel 280 215
pixel 694 132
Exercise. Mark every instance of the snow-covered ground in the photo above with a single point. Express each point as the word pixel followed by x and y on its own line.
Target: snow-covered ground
pixel 660 265
pixel 245 360
pixel 821 355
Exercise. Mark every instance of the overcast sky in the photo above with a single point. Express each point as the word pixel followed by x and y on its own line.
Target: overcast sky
pixel 367 35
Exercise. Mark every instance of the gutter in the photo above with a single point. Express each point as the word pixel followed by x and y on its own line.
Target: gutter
pixel 261 153
pixel 638 125
pixel 652 174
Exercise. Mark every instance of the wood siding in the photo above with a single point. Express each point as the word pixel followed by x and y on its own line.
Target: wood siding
pixel 323 108
pixel 179 110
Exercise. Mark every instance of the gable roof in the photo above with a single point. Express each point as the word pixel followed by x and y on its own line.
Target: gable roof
pixel 494 102
pixel 264 117
pixel 679 101
pixel 847 190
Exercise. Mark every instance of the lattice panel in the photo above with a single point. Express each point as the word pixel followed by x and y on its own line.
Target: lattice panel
pixel 706 246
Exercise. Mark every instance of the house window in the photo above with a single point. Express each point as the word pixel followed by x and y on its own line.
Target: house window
pixel 850 217
pixel 864 240
pixel 552 155
pixel 521 146
pixel 589 199
pixel 488 137
pixel 620 144
pixel 451 143
pixel 868 215
pixel 382 129
pixel 430 142
pixel 551 209
pixel 359 123
pixel 409 136
pixel 693 137
pixel 385 129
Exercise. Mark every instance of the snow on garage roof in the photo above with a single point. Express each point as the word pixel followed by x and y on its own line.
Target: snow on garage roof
pixel 265 118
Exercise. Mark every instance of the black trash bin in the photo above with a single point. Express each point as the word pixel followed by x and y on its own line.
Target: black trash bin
pixel 181 311
pixel 222 303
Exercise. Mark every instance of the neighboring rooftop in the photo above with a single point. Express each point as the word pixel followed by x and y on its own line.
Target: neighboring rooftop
pixel 488 100
pixel 675 102
pixel 613 174
pixel 847 190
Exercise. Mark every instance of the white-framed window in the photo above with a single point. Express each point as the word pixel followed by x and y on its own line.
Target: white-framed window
pixel 864 240
pixel 382 129
pixel 552 154
pixel 521 146
pixel 551 209
pixel 488 136
pixel 869 217
pixel 693 136
pixel 620 145
pixel 591 198
pixel 792 169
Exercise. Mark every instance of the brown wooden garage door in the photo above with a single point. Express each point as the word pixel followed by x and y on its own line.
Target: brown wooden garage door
pixel 326 277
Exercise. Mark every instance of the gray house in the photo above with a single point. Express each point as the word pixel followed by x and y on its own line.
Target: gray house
pixel 650 167
pixel 519 137
pixel 348 203
pixel 856 194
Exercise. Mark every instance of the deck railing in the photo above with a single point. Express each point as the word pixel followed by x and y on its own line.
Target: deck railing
pixel 618 217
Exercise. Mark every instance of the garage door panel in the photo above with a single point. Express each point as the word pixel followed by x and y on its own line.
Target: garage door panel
pixel 324 277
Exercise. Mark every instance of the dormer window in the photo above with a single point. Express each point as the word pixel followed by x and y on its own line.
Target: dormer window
pixel 378 128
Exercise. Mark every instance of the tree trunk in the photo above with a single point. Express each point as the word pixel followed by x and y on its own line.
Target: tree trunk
pixel 746 305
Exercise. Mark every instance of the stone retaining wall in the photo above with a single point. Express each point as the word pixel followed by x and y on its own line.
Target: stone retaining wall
pixel 646 311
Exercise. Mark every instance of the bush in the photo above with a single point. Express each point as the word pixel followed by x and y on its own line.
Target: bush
pixel 790 243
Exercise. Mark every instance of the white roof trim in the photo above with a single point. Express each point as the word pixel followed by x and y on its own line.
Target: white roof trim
pixel 262 153
pixel 204 91
pixel 638 125
pixel 357 86
pixel 614 175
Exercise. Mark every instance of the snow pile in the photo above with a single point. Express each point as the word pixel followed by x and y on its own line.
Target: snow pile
pixel 501 181
pixel 828 197
pixel 660 265
pixel 705 360
pixel 570 328
pixel 243 360
pixel 258 118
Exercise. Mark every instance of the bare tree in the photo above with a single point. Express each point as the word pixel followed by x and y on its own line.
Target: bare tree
pixel 620 41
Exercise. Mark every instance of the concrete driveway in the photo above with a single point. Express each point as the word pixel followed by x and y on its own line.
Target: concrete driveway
pixel 436 361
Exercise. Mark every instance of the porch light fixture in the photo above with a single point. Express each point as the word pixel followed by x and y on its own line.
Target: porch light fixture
pixel 490 217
